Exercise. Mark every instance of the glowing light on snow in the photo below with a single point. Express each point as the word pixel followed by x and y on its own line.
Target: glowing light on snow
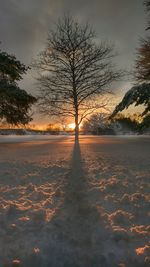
pixel 36 250
pixel 25 218
pixel 140 251
pixel 16 262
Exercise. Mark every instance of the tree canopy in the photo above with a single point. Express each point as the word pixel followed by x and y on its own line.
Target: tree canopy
pixel 73 70
pixel 15 103
pixel 11 69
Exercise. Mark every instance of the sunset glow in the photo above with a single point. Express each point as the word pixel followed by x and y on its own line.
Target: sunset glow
pixel 71 126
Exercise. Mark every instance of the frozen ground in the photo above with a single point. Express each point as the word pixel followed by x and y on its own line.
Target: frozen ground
pixel 74 205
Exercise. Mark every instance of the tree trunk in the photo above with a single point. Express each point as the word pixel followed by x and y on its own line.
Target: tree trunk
pixel 76 112
pixel 76 126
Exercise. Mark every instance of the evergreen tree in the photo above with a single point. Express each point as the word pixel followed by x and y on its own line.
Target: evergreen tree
pixel 15 103
pixel 140 93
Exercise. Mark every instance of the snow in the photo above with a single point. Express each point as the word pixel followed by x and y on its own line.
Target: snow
pixel 26 138
pixel 66 204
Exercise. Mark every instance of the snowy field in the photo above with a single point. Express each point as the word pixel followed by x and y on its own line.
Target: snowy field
pixel 74 205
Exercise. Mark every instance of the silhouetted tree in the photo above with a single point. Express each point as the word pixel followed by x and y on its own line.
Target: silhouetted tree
pixel 73 70
pixel 97 124
pixel 139 94
pixel 15 103
pixel 142 66
pixel 145 124
pixel 147 4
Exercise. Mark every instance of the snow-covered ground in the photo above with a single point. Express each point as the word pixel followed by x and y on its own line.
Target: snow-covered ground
pixel 26 138
pixel 66 204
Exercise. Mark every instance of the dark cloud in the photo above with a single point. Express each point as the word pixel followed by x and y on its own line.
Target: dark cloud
pixel 24 25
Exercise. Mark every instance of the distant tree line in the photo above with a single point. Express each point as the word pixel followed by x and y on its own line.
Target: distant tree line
pixel 101 124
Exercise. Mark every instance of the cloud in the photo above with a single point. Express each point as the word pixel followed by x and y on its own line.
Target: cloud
pixel 25 24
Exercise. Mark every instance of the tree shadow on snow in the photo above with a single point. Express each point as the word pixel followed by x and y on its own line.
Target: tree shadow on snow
pixel 75 227
pixel 76 235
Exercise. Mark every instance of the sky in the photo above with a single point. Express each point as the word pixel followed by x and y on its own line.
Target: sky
pixel 24 25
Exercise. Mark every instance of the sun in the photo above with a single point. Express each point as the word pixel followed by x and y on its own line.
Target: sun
pixel 71 126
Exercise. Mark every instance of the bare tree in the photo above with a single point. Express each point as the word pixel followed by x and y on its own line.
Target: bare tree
pixel 142 64
pixel 96 123
pixel 73 70
pixel 147 5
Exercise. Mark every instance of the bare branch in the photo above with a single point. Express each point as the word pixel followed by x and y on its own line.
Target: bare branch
pixel 73 70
